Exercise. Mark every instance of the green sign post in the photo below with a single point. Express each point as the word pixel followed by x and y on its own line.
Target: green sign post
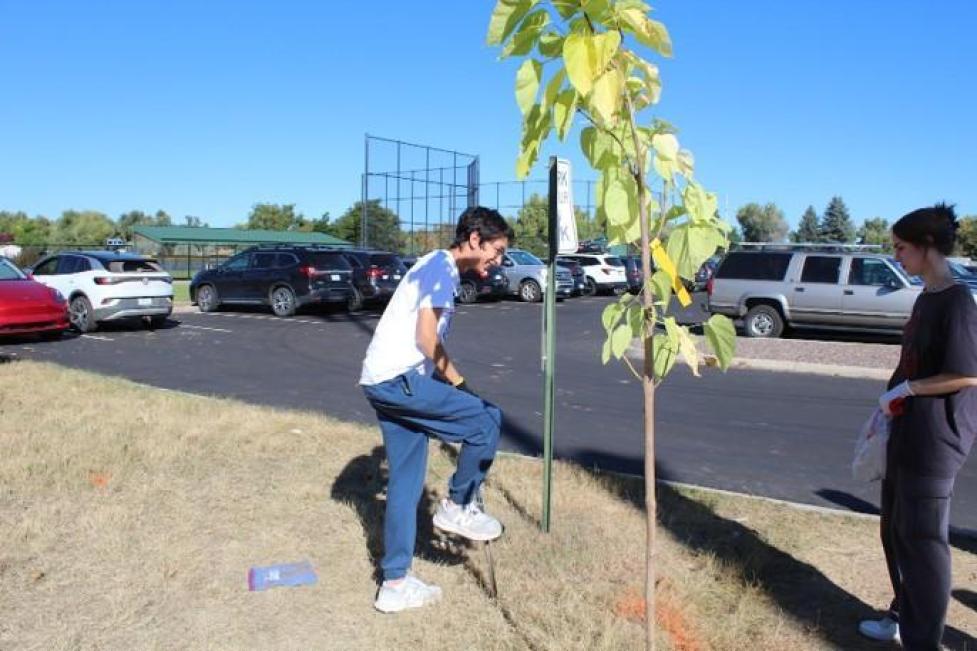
pixel 562 234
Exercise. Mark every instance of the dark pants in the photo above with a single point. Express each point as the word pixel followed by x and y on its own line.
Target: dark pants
pixel 915 528
pixel 410 408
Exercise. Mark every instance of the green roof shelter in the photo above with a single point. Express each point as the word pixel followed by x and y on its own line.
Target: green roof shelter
pixel 184 250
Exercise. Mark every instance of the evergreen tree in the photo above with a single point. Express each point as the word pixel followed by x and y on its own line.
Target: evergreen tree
pixel 808 230
pixel 836 225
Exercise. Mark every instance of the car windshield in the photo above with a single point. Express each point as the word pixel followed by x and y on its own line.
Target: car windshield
pixel 524 257
pixel 959 271
pixel 9 271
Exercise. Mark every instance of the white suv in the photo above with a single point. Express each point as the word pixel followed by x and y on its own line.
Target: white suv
pixel 107 285
pixel 605 273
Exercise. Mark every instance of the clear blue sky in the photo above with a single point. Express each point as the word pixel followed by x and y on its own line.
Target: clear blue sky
pixel 205 108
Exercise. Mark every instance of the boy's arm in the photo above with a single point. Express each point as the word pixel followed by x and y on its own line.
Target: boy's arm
pixel 427 341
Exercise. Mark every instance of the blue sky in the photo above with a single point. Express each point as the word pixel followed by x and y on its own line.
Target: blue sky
pixel 205 108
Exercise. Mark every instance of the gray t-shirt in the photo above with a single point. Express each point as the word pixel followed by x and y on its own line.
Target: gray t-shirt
pixel 934 434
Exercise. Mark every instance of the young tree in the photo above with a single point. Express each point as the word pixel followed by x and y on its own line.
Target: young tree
pixel 808 230
pixel 762 223
pixel 836 224
pixel 587 49
pixel 875 231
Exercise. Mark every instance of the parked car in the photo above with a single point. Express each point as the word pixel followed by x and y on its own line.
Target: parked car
pixel 605 273
pixel 633 273
pixel 803 288
pixel 107 286
pixel 285 277
pixel 27 306
pixel 962 274
pixel 493 285
pixel 526 275
pixel 577 274
pixel 376 275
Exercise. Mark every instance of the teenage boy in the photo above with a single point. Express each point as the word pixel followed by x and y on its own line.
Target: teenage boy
pixel 418 392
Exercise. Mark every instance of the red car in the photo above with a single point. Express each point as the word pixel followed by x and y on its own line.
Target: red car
pixel 27 306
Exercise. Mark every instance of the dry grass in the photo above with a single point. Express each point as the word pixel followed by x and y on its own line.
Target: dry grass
pixel 129 517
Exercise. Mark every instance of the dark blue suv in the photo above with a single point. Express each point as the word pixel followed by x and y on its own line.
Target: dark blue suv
pixel 285 277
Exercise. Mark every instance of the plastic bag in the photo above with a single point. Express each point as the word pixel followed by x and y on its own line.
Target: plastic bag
pixel 870 448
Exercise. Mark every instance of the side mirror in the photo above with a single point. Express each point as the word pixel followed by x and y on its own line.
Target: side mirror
pixel 508 263
pixel 210 266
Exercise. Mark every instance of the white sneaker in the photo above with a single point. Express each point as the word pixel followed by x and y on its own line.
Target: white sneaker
pixel 883 630
pixel 409 593
pixel 469 521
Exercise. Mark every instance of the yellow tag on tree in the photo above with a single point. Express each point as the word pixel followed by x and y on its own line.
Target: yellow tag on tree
pixel 663 262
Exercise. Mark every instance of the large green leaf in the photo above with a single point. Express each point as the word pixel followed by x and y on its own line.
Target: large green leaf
pixel 526 37
pixel 606 95
pixel 617 203
pixel 599 148
pixel 553 88
pixel 505 17
pixel 636 320
pixel 566 8
pixel 597 10
pixel 620 340
pixel 686 346
pixel 689 245
pixel 550 44
pixel 605 351
pixel 661 283
pixel 665 347
pixel 586 56
pixel 700 205
pixel 527 84
pixel 610 316
pixel 566 104
pixel 721 336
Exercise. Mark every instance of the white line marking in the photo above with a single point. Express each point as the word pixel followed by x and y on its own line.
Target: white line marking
pixel 97 337
pixel 196 327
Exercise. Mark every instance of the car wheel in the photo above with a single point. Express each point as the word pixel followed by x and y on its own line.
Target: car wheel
pixel 468 293
pixel 530 292
pixel 81 315
pixel 355 302
pixel 283 301
pixel 591 288
pixel 763 321
pixel 207 299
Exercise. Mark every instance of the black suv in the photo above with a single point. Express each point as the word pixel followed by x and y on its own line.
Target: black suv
pixel 284 277
pixel 376 275
pixel 493 285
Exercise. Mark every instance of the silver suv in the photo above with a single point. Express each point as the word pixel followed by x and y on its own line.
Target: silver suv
pixel 812 288
pixel 527 276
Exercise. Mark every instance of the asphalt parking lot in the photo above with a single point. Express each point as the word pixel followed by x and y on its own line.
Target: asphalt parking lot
pixel 787 436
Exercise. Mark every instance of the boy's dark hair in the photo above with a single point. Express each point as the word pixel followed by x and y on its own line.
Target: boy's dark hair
pixel 488 223
pixel 934 227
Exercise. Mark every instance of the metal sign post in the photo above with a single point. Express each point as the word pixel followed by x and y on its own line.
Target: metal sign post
pixel 562 235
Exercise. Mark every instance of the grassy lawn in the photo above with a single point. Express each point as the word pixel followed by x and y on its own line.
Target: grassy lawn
pixel 181 292
pixel 131 515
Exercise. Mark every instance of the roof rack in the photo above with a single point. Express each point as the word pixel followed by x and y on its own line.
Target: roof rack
pixel 809 246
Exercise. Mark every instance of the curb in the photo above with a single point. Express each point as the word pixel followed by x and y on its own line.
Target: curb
pixel 787 366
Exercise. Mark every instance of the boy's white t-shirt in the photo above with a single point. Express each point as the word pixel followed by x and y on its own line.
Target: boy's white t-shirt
pixel 432 282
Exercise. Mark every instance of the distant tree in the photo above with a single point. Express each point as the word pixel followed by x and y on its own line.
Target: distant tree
pixel 808 230
pixel 875 231
pixel 321 225
pixel 762 223
pixel 530 226
pixel 82 227
pixel 133 218
pixel 836 224
pixel 195 222
pixel 735 236
pixel 273 217
pixel 587 226
pixel 967 236
pixel 382 225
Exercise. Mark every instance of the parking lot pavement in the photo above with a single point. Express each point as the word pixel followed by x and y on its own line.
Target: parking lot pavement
pixel 783 436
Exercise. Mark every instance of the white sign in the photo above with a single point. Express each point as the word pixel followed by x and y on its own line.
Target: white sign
pixel 566 221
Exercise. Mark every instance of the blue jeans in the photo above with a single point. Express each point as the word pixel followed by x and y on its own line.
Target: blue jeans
pixel 411 407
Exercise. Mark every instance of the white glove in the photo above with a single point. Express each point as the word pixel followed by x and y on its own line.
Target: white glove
pixel 896 394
